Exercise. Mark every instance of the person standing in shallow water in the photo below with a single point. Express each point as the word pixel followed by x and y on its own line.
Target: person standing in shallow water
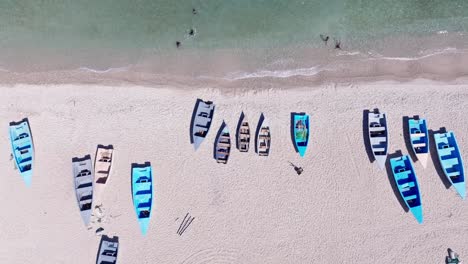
pixel 337 44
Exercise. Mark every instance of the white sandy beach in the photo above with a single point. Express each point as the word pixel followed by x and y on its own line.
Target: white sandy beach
pixel 342 209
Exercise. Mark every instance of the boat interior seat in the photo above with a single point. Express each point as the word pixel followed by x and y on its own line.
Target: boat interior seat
pixel 411 197
pixel 453 174
pixel 446 151
pixel 407 186
pixel 419 145
pixel 402 175
pixel 450 162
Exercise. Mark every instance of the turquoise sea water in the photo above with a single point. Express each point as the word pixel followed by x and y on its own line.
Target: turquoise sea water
pixel 71 27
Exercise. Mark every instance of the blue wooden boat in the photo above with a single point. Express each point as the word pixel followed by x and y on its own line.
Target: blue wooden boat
pixel 301 132
pixel 142 193
pixel 451 160
pixel 378 137
pixel 83 182
pixel 22 148
pixel 419 138
pixel 405 179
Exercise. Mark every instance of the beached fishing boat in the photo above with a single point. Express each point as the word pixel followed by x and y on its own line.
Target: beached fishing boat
pixel 451 160
pixel 263 137
pixel 407 182
pixel 142 193
pixel 22 148
pixel 243 134
pixel 108 250
pixel 201 121
pixel 83 179
pixel 103 164
pixel 222 146
pixel 378 137
pixel 301 132
pixel 419 138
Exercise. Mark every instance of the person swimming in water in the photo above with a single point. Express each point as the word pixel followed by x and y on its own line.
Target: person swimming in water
pixel 192 32
pixel 178 44
pixel 324 38
pixel 194 11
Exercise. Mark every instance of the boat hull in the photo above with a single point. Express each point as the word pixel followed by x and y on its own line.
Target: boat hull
pixel 451 161
pixel 201 121
pixel 378 137
pixel 142 194
pixel 419 138
pixel 301 132
pixel 83 181
pixel 222 147
pixel 263 138
pixel 22 149
pixel 407 183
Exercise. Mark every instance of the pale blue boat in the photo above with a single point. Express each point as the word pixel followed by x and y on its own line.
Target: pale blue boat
pixel 407 182
pixel 22 148
pixel 419 138
pixel 301 132
pixel 451 160
pixel 142 193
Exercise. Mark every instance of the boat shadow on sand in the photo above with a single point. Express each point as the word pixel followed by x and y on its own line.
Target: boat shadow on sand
pixel 194 113
pixel 365 135
pixel 406 137
pixel 435 157
pixel 392 181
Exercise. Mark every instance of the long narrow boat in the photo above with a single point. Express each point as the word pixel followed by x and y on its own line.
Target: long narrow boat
pixel 243 134
pixel 378 137
pixel 451 160
pixel 83 179
pixel 419 138
pixel 301 132
pixel 223 144
pixel 102 168
pixel 201 121
pixel 142 193
pixel 108 250
pixel 263 137
pixel 22 148
pixel 407 182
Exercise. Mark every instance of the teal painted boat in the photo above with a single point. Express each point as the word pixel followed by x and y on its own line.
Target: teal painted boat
pixel 22 148
pixel 451 161
pixel 407 182
pixel 301 132
pixel 419 138
pixel 142 193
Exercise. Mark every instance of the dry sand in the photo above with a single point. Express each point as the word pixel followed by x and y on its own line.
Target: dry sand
pixel 342 209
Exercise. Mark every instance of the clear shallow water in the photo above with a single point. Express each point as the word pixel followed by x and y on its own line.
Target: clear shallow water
pixel 56 34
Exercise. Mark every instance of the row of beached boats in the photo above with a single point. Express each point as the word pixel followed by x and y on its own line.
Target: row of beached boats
pixel 402 167
pixel 201 122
